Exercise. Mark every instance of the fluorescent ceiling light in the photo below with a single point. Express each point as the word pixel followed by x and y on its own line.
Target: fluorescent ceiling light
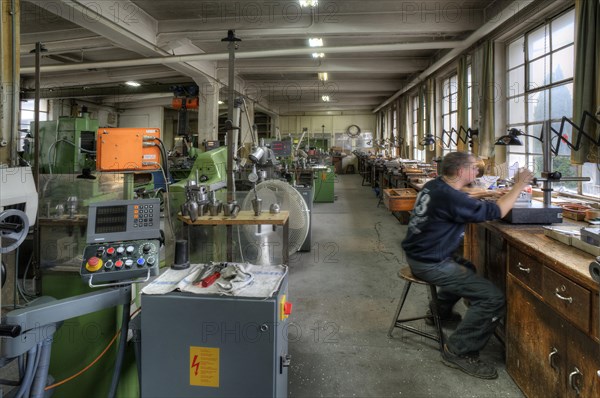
pixel 220 102
pixel 315 42
pixel 308 3
pixel 325 98
pixel 318 55
pixel 132 83
pixel 323 76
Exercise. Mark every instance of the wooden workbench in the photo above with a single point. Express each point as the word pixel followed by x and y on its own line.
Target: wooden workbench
pixel 551 329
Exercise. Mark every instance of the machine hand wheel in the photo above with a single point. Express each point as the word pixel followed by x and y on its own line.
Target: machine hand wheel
pixel 14 227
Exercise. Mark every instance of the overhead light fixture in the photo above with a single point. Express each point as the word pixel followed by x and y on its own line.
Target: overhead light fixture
pixel 132 83
pixel 220 102
pixel 315 42
pixel 325 98
pixel 318 55
pixel 323 76
pixel 308 3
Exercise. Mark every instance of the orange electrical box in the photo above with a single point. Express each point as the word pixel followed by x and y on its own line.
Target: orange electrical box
pixel 127 149
pixel 187 103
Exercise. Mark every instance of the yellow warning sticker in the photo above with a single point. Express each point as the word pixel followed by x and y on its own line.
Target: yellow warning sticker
pixel 204 366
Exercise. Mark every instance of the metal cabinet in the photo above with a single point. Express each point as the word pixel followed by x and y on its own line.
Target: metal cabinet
pixel 214 346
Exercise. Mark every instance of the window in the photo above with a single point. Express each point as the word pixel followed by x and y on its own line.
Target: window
pixel 28 116
pixel 418 153
pixel 539 88
pixel 469 98
pixel 449 111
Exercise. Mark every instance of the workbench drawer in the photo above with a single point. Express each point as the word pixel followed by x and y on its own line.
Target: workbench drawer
pixel 569 299
pixel 526 269
pixel 399 199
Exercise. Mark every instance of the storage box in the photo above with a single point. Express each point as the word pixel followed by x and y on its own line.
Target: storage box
pixel 399 199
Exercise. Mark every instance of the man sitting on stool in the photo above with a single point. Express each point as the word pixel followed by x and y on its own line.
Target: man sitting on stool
pixel 435 229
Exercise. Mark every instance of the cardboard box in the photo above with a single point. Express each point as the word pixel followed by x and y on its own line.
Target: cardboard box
pixel 399 199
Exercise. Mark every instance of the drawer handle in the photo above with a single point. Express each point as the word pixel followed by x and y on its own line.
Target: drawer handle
pixel 522 268
pixel 557 294
pixel 551 356
pixel 572 379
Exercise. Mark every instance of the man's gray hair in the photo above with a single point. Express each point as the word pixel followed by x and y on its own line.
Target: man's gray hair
pixel 454 161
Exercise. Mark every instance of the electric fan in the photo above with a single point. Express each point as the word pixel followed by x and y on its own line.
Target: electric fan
pixel 288 199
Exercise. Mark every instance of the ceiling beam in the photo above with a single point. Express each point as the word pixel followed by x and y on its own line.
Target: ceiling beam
pixel 247 54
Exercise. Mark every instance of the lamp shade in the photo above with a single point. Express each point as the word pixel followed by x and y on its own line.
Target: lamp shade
pixel 508 140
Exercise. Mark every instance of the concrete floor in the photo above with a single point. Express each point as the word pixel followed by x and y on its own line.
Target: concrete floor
pixel 345 292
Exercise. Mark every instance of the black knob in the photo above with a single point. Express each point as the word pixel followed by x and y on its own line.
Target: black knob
pixel 147 247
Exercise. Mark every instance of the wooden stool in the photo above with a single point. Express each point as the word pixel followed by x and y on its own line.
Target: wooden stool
pixel 407 275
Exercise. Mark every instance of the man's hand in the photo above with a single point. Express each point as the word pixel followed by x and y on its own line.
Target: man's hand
pixel 506 202
pixel 523 177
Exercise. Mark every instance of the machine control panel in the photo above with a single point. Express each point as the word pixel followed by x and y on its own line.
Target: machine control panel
pixel 118 261
pixel 123 239
pixel 120 220
pixel 281 148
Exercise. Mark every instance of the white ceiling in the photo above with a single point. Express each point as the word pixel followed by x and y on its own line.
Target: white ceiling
pixel 372 49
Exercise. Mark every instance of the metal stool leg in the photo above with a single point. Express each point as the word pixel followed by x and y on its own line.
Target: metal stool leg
pixel 399 323
pixel 400 305
pixel 436 316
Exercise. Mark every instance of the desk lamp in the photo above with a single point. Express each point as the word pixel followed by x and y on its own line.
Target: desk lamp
pixel 534 213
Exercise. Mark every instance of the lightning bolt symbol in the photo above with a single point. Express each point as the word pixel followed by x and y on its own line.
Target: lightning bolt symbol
pixel 195 364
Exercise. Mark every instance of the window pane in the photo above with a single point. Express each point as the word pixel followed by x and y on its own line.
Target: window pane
pixel 591 188
pixel 453 120
pixel 537 43
pixel 539 73
pixel 536 164
pixel 516 110
pixel 563 165
pixel 567 133
pixel 562 64
pixel 516 81
pixel 533 144
pixel 516 55
pixel 561 101
pixel 445 87
pixel 563 30
pixel 537 106
pixel 453 101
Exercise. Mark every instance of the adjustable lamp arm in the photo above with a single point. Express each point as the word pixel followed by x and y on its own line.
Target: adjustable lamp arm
pixel 580 129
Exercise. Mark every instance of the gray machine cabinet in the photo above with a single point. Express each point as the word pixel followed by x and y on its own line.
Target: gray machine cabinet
pixel 247 333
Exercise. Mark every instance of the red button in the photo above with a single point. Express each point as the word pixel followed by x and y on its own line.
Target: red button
pixel 119 264
pixel 93 264
pixel 110 251
pixel 287 308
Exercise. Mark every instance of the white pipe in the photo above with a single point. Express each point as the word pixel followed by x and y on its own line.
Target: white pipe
pixel 484 30
pixel 15 86
pixel 248 54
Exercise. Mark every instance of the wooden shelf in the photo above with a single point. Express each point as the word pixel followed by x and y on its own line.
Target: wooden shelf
pixel 245 217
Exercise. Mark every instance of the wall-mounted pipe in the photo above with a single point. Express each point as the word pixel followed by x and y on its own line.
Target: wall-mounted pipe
pixel 14 121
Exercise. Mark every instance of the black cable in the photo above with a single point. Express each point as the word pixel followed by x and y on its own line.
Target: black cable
pixel 163 152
